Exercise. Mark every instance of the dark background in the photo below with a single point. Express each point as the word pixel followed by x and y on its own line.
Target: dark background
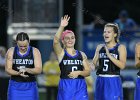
pixel 107 9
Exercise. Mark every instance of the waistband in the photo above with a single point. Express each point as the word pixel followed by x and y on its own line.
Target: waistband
pixel 106 75
pixel 29 79
pixel 63 77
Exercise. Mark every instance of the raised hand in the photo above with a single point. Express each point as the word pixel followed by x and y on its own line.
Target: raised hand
pixel 64 21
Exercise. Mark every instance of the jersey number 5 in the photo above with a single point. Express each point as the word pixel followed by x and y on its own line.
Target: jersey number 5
pixel 105 68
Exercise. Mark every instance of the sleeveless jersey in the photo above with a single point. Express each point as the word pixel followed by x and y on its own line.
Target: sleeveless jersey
pixel 71 63
pixel 106 66
pixel 23 61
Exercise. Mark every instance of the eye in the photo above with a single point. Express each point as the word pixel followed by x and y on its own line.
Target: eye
pixel 73 37
pixel 66 38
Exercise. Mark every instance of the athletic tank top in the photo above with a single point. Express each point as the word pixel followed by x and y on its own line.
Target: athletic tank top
pixel 23 61
pixel 106 66
pixel 71 63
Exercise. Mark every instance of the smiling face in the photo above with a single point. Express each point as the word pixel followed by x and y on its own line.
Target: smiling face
pixel 23 45
pixel 69 40
pixel 109 34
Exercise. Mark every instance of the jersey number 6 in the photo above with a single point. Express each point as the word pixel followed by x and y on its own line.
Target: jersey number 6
pixel 74 68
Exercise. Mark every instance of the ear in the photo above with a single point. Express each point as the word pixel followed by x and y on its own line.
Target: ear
pixel 63 42
pixel 115 35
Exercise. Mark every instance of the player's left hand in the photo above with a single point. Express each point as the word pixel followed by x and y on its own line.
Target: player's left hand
pixel 74 74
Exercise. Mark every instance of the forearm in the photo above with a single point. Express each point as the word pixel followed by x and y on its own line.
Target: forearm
pixel 84 73
pixel 34 70
pixel 12 72
pixel 117 62
pixel 93 65
pixel 59 32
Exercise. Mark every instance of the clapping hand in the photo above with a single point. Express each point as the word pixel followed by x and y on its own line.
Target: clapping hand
pixel 22 70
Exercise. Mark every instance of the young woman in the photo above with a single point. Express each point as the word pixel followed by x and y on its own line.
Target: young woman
pixel 137 63
pixel 73 65
pixel 111 57
pixel 23 63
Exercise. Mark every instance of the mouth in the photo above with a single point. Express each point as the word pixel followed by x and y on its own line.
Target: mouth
pixel 69 42
pixel 106 37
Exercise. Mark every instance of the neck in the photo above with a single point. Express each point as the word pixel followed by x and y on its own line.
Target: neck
pixel 111 44
pixel 22 52
pixel 71 51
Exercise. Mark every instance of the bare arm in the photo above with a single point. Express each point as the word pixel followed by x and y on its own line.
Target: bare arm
pixel 86 71
pixel 9 63
pixel 56 42
pixel 122 60
pixel 37 63
pixel 96 56
pixel 137 55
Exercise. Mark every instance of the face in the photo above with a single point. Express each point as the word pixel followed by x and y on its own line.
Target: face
pixel 69 40
pixel 109 34
pixel 23 45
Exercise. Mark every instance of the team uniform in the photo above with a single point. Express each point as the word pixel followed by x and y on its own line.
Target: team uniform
pixel 108 83
pixel 21 88
pixel 137 88
pixel 71 89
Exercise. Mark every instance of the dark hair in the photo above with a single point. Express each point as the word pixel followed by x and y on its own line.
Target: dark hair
pixel 115 29
pixel 22 36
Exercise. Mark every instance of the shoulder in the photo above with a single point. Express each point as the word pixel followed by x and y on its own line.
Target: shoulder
pixel 122 47
pixel 10 50
pixel 35 50
pixel 138 44
pixel 9 53
pixel 83 55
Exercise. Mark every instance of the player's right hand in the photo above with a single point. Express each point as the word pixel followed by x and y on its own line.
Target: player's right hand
pixel 22 72
pixel 64 21
pixel 23 75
